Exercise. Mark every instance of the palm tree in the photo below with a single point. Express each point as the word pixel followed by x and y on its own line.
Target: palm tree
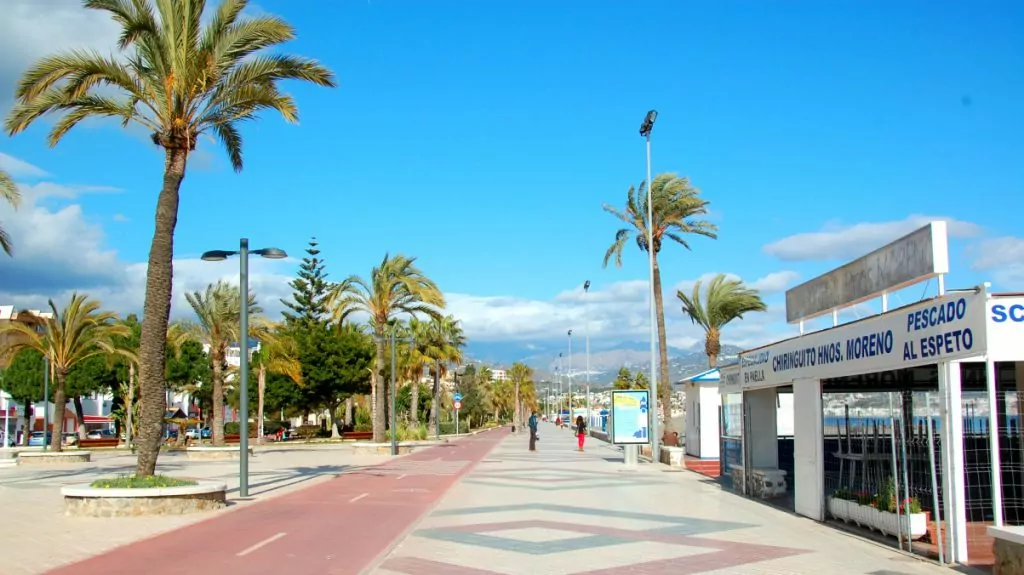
pixel 218 312
pixel 396 286
pixel 9 193
pixel 521 375
pixel 416 358
pixel 675 204
pixel 446 342
pixel 724 301
pixel 278 353
pixel 179 80
pixel 70 336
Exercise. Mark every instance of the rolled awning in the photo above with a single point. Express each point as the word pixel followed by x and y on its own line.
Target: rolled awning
pixel 97 419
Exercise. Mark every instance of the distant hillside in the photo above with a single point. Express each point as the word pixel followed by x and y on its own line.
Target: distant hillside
pixel 605 360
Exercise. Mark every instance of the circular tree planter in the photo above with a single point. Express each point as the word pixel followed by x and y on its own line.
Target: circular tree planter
pixel 209 453
pixel 86 501
pixel 41 458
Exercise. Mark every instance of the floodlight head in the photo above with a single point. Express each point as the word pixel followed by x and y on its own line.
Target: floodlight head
pixel 648 125
pixel 570 333
pixel 272 253
pixel 586 285
pixel 217 255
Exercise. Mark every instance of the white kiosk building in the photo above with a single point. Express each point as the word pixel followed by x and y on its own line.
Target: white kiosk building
pixel 916 405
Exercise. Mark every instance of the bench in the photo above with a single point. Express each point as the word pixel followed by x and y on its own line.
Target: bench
pixel 1007 548
pixel 101 442
pixel 358 435
pixel 765 482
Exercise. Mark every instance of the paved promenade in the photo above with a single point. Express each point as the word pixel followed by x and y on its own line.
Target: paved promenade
pixel 561 512
pixel 484 505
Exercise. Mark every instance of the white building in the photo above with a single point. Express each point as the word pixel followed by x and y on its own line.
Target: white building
pixel 943 370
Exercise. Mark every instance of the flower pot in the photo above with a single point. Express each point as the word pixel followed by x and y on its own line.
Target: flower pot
pixel 862 514
pixel 915 523
pixel 839 508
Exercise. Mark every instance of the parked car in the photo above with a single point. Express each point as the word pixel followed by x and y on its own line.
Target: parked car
pixel 101 434
pixel 36 439
pixel 194 433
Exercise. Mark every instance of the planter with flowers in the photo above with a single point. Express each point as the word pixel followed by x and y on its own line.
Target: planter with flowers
pixel 878 512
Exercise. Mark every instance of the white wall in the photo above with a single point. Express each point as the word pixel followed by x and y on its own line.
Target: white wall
pixel 692 403
pixel 762 433
pixel 710 402
pixel 808 449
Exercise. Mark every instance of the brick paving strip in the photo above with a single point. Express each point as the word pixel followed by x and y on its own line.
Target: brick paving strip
pixel 341 527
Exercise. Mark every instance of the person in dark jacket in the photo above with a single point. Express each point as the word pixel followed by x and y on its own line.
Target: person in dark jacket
pixel 533 431
pixel 581 430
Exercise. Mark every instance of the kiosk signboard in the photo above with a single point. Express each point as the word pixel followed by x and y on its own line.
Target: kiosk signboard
pixel 941 329
pixel 1006 328
pixel 630 417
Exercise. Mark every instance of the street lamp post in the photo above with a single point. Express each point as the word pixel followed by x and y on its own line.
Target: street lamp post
pixel 47 437
pixel 243 356
pixel 392 409
pixel 570 377
pixel 560 392
pixel 645 132
pixel 586 332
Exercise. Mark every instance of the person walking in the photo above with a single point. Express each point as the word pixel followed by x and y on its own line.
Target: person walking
pixel 533 431
pixel 581 430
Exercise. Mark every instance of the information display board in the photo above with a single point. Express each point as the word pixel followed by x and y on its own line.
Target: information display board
pixel 630 417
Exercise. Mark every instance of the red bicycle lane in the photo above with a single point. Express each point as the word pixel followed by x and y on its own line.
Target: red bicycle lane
pixel 341 527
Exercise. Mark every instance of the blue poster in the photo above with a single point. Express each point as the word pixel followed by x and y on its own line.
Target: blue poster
pixel 630 417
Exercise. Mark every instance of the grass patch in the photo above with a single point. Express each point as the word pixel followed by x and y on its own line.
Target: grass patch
pixel 133 482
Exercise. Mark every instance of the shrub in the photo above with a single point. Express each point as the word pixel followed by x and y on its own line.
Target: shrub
pixel 133 482
pixel 364 421
pixel 308 432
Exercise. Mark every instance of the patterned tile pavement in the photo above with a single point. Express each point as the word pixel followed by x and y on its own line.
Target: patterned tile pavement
pixel 561 512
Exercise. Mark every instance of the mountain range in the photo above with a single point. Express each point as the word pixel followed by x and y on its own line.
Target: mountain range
pixel 605 359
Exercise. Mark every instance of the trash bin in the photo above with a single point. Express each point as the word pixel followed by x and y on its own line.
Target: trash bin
pixel 670 439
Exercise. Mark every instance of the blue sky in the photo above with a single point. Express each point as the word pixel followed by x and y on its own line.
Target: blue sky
pixel 483 138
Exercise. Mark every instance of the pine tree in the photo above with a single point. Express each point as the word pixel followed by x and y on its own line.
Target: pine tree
pixel 310 291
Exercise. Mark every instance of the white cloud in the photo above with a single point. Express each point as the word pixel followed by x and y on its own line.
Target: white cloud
pixel 28 31
pixel 775 282
pixel 839 242
pixel 1003 257
pixel 20 169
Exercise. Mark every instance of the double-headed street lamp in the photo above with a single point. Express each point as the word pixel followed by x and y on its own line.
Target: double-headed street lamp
pixel 243 371
pixel 645 132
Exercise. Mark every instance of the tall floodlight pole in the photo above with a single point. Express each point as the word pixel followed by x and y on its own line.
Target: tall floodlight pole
pixel 243 355
pixel 645 132
pixel 570 375
pixel 586 332
pixel 560 394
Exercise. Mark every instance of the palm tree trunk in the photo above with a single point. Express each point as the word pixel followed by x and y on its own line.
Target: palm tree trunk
pixel 80 415
pixel 130 407
pixel 262 385
pixel 156 311
pixel 664 384
pixel 414 402
pixel 377 392
pixel 26 431
pixel 348 412
pixel 218 395
pixel 516 419
pixel 435 398
pixel 60 401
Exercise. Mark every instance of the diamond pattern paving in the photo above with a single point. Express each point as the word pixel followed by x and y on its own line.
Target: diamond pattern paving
pixel 548 479
pixel 713 554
